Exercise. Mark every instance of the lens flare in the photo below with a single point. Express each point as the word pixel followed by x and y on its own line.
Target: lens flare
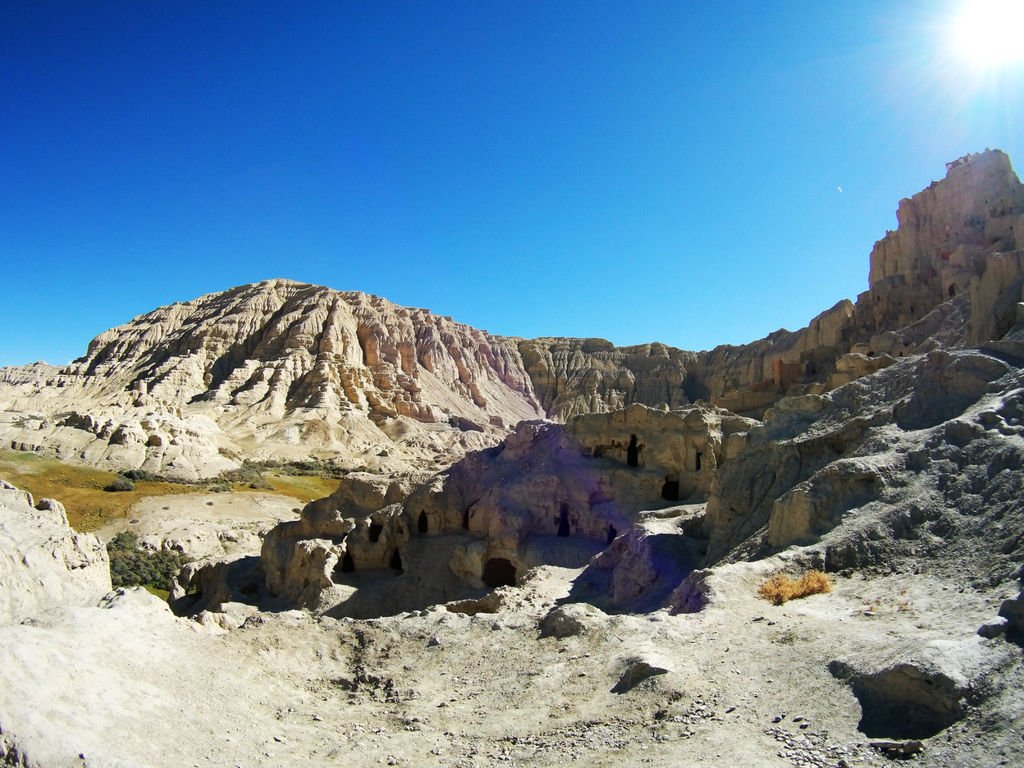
pixel 989 34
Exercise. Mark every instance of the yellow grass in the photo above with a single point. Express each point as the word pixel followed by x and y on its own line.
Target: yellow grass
pixel 780 587
pixel 305 487
pixel 80 489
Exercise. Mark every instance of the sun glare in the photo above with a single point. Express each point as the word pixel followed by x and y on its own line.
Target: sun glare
pixel 989 34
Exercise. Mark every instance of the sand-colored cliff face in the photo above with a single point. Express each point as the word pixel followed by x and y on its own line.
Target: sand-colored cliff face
pixel 948 265
pixel 578 376
pixel 281 346
pixel 944 230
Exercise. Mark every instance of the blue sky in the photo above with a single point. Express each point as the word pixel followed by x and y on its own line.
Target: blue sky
pixel 688 173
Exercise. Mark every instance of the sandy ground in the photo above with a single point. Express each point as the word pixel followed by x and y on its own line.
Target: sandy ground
pixel 747 684
pixel 206 525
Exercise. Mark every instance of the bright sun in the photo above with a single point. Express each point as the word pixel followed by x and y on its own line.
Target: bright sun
pixel 989 34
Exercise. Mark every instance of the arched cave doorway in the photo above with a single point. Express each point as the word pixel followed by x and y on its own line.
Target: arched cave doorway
pixel 421 522
pixel 396 561
pixel 563 520
pixel 375 531
pixel 612 533
pixel 670 490
pixel 952 290
pixel 348 565
pixel 696 461
pixel 632 452
pixel 465 519
pixel 499 572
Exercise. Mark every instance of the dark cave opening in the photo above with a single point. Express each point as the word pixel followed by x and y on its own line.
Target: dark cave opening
pixel 396 561
pixel 563 520
pixel 696 461
pixel 421 522
pixel 670 490
pixel 347 564
pixel 632 452
pixel 499 572
pixel 612 533
pixel 375 531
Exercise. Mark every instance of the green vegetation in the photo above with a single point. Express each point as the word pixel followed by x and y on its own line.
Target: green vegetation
pixel 119 484
pixel 299 479
pixel 134 566
pixel 322 468
pixel 249 474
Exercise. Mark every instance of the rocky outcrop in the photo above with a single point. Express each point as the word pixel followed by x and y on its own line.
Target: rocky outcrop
pixel 944 234
pixel 43 562
pixel 548 494
pixel 958 238
pixel 579 376
pixel 919 456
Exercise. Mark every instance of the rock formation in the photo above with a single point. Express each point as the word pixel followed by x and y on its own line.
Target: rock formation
pixel 547 494
pixel 577 376
pixel 43 562
pixel 290 371
pixel 276 369
pixel 857 386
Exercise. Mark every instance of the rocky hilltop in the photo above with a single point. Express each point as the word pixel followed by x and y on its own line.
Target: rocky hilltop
pixel 290 371
pixel 278 369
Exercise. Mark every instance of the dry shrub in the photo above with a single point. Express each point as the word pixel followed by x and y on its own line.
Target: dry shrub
pixel 780 587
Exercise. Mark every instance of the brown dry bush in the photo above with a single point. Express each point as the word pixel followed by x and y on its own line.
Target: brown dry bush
pixel 780 587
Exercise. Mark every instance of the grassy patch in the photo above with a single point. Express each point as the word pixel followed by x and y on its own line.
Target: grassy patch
pixel 90 506
pixel 301 479
pixel 302 486
pixel 780 587
pixel 80 489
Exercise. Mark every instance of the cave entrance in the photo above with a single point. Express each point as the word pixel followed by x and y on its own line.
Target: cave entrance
pixel 375 531
pixel 347 565
pixel 612 533
pixel 632 452
pixel 421 522
pixel 465 519
pixel 670 490
pixel 563 521
pixel 952 290
pixel 499 572
pixel 396 561
pixel 696 461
